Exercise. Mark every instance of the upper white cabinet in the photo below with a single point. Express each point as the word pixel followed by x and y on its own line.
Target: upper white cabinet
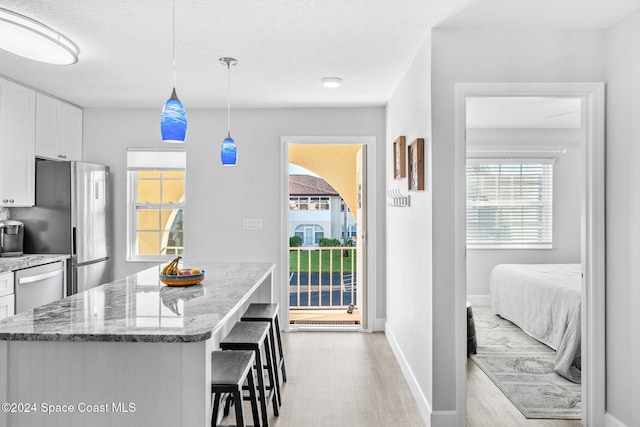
pixel 17 144
pixel 58 129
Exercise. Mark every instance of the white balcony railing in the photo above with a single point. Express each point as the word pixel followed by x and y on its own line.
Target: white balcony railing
pixel 322 277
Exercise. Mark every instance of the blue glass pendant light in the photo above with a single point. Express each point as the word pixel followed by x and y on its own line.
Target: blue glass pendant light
pixel 173 121
pixel 229 150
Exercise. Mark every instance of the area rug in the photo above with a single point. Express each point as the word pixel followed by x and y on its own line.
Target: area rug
pixel 523 369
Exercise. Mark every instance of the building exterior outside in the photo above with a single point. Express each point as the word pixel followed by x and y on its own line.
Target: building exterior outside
pixel 317 211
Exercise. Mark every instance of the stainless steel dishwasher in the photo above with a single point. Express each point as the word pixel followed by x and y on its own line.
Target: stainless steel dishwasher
pixel 36 286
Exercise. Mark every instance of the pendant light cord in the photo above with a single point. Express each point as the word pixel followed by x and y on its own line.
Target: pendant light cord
pixel 174 43
pixel 228 100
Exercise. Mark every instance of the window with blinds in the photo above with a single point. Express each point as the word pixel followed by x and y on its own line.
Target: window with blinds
pixel 510 203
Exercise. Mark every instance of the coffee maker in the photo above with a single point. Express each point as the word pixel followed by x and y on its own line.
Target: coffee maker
pixel 11 238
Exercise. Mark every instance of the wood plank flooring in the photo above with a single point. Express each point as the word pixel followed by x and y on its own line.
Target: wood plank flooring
pixel 353 379
pixel 344 379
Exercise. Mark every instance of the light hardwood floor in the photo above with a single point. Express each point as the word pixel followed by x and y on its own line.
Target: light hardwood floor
pixel 352 379
pixel 344 379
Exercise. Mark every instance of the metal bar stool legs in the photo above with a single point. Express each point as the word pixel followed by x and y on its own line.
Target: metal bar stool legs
pixel 229 371
pixel 254 336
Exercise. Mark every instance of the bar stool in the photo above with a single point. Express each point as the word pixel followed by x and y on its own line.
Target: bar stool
pixel 258 312
pixel 229 371
pixel 254 336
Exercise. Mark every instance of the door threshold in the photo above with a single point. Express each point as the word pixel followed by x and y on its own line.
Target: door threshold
pixel 324 322
pixel 325 328
pixel 326 317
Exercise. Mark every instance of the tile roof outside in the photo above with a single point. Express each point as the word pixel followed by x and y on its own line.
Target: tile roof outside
pixel 307 185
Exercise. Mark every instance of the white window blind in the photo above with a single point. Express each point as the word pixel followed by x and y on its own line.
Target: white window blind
pixel 510 202
pixel 156 159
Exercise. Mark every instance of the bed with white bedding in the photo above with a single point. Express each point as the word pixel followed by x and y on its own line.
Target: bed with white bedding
pixel 544 301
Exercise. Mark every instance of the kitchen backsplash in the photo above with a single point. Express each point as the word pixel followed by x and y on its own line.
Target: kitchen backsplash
pixel 5 213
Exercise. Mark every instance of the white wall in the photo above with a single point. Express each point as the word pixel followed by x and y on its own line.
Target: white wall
pixel 409 323
pixel 217 198
pixel 478 55
pixel 567 175
pixel 623 220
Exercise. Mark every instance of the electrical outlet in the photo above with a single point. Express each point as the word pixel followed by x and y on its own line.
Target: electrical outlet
pixel 252 223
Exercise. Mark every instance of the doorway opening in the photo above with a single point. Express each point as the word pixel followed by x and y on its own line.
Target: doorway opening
pixel 326 224
pixel 523 192
pixel 590 262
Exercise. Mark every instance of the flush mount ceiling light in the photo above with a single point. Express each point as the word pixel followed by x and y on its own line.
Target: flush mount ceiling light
pixel 173 120
pixel 229 150
pixel 331 82
pixel 31 39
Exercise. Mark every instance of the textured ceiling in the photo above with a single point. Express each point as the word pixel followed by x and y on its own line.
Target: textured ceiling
pixel 284 47
pixel 543 14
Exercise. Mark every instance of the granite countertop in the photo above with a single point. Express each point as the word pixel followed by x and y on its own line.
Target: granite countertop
pixel 26 261
pixel 140 308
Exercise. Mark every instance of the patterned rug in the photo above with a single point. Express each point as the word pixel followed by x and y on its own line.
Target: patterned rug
pixel 523 369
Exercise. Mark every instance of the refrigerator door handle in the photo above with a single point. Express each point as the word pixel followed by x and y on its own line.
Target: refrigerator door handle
pixel 73 241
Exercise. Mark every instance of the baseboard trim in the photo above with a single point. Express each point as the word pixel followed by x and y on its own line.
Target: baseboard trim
pixel 611 421
pixel 444 418
pixel 416 390
pixel 479 300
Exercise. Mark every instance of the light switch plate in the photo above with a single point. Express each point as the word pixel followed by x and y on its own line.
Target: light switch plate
pixel 252 223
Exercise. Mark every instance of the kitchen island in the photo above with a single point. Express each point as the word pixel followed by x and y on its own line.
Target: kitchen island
pixel 133 352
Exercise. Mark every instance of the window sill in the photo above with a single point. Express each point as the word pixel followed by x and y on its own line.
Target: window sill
pixel 152 259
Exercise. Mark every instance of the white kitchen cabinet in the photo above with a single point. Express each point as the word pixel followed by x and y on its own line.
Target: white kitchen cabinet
pixel 7 298
pixel 7 306
pixel 6 283
pixel 58 129
pixel 17 145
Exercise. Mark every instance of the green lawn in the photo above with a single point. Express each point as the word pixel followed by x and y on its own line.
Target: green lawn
pixel 326 259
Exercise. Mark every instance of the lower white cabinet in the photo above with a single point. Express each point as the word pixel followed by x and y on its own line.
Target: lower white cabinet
pixel 7 306
pixel 6 283
pixel 7 298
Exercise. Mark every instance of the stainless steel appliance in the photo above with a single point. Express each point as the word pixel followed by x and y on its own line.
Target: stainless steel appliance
pixel 71 216
pixel 11 238
pixel 36 286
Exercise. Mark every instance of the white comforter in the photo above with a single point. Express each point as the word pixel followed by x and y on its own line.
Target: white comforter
pixel 544 301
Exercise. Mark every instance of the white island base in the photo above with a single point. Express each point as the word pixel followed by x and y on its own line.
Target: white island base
pixel 115 380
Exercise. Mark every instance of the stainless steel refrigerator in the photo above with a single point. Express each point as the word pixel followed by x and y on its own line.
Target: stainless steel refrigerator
pixel 71 216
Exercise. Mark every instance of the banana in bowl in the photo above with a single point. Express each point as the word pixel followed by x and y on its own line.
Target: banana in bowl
pixel 171 275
